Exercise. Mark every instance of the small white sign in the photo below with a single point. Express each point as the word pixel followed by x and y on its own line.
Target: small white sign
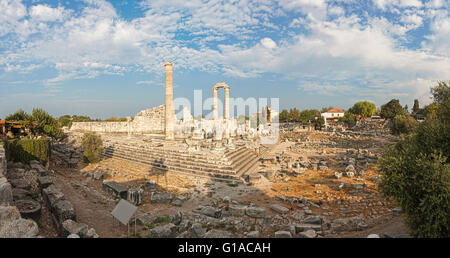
pixel 124 211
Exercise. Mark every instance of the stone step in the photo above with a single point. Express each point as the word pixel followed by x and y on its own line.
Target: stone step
pixel 163 154
pixel 246 156
pixel 170 165
pixel 239 160
pixel 164 151
pixel 243 163
pixel 249 168
pixel 235 154
pixel 213 176
pixel 231 165
pixel 168 158
pixel 171 162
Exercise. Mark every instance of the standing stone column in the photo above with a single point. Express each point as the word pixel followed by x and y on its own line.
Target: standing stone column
pixel 129 126
pixel 226 110
pixel 170 112
pixel 215 112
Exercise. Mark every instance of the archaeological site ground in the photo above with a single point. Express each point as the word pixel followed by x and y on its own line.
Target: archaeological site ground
pixel 198 178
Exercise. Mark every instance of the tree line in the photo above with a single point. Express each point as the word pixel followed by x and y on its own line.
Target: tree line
pixel 39 122
pixel 402 121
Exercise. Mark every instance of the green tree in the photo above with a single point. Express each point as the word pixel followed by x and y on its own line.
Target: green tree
pixel 309 115
pixel 19 115
pixel 416 172
pixel 391 109
pixel 441 95
pixel 416 107
pixel 45 124
pixel 318 122
pixel 348 118
pixel 39 122
pixel 92 146
pixel 81 118
pixel 294 115
pixel 283 116
pixel 325 109
pixel 403 124
pixel 363 108
pixel 429 110
pixel 65 120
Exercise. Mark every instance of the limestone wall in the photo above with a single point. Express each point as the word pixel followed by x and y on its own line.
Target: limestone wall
pixel 146 121
pixel 3 161
pixel 105 127
pixel 6 197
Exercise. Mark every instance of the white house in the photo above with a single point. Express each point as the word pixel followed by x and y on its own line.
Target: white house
pixel 332 115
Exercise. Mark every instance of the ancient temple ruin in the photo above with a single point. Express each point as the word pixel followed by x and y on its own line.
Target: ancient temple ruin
pixel 219 147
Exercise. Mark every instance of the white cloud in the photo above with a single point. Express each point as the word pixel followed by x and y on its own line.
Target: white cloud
pixel 11 11
pixel 268 43
pixel 435 4
pixel 314 9
pixel 47 13
pixel 385 4
pixel 336 49
pixel 147 83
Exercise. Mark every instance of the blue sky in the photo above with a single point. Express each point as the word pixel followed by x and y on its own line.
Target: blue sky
pixel 103 58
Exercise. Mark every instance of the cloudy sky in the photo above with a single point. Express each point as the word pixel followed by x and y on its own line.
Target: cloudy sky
pixel 102 58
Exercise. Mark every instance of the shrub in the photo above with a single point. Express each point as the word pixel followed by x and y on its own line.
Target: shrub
pixel 39 122
pixel 420 183
pixel 65 121
pixel 43 123
pixel 348 118
pixel 93 146
pixel 25 150
pixel 19 115
pixel 403 124
pixel 416 172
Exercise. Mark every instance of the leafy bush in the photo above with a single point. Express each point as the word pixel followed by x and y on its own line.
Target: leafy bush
pixel 348 118
pixel 43 123
pixel 65 121
pixel 419 180
pixel 416 172
pixel 93 146
pixel 115 119
pixel 403 124
pixel 319 122
pixel 24 150
pixel 19 115
pixel 39 122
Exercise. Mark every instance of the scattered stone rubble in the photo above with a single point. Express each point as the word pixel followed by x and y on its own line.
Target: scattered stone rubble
pixel 70 155
pixel 12 225
pixel 20 194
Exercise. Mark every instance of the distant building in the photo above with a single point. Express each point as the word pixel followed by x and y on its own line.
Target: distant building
pixel 375 117
pixel 11 129
pixel 333 114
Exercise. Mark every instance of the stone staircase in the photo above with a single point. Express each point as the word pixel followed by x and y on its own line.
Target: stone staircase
pixel 230 165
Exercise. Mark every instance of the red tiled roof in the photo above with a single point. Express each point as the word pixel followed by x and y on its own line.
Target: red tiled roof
pixel 335 110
